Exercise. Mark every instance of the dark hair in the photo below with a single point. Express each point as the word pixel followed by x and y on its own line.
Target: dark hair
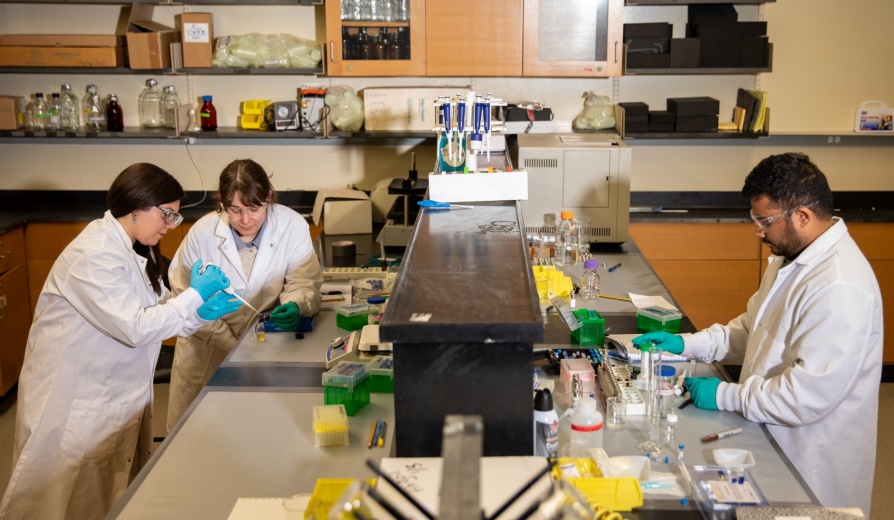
pixel 790 181
pixel 141 186
pixel 249 179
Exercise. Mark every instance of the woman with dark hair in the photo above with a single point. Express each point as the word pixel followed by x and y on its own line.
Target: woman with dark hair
pixel 85 391
pixel 267 252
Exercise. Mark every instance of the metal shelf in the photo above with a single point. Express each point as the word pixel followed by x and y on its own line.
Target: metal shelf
pixel 697 71
pixel 78 70
pixel 688 2
pixel 695 135
pixel 250 72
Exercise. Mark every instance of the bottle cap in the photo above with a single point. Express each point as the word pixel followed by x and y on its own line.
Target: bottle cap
pixel 587 404
pixel 543 400
pixel 591 264
pixel 672 418
pixel 206 98
pixel 667 371
pixel 567 215
pixel 151 82
pixel 375 300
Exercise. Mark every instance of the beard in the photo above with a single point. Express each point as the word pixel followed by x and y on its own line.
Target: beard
pixel 789 244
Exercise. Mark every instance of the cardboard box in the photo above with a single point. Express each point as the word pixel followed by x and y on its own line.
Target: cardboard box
pixel 148 42
pixel 197 37
pixel 399 108
pixel 61 56
pixel 62 40
pixel 12 112
pixel 343 212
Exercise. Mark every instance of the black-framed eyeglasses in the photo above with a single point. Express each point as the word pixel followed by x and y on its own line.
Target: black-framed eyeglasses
pixel 171 218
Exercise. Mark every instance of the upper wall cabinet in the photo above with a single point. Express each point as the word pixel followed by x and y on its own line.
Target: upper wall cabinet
pixel 573 38
pixel 473 38
pixel 375 38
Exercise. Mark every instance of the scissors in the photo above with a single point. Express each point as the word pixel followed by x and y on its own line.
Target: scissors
pixel 229 290
pixel 441 205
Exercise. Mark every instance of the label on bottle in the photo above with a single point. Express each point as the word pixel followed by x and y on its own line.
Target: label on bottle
pixel 546 439
pixel 205 114
pixel 586 427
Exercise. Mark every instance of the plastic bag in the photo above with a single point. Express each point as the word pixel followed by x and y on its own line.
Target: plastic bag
pixel 269 51
pixel 345 108
pixel 598 113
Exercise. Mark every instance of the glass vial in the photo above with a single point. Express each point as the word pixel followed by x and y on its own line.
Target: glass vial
pixel 590 281
pixel 376 307
pixel 208 115
pixel 170 106
pixel 670 429
pixel 260 331
pixel 71 110
pixel 151 105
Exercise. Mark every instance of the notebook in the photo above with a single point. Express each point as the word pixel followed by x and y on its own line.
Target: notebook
pixel 624 344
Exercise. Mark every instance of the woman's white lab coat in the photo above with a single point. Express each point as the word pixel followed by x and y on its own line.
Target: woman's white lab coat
pixel 286 269
pixel 87 377
pixel 812 343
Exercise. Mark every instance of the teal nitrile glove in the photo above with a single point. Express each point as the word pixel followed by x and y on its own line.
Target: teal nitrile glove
pixel 666 341
pixel 286 316
pixel 218 305
pixel 703 391
pixel 208 282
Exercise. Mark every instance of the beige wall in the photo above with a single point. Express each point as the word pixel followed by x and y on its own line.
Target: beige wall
pixel 826 62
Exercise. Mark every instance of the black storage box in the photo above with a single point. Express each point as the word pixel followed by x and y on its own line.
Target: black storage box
pixel 635 108
pixel 648 61
pixel 663 127
pixel 752 28
pixel 685 53
pixel 661 117
pixel 712 13
pixel 721 44
pixel 696 124
pixel 693 106
pixel 517 113
pixel 647 30
pixel 755 51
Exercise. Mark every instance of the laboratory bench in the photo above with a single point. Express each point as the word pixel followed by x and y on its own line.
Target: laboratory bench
pixel 249 434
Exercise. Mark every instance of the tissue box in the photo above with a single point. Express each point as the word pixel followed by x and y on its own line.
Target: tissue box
pixel 476 187
pixel 343 212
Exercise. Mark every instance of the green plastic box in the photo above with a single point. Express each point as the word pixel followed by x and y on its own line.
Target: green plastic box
pixel 347 383
pixel 352 317
pixel 653 319
pixel 381 375
pixel 592 330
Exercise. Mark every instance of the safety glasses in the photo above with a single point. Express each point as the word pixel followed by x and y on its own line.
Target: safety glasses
pixel 764 223
pixel 171 218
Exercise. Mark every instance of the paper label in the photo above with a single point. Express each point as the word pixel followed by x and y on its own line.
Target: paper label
pixel 196 33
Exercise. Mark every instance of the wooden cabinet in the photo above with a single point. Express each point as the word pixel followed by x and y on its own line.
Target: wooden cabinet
pixel 15 318
pixel 710 269
pixel 341 33
pixel 473 38
pixel 573 38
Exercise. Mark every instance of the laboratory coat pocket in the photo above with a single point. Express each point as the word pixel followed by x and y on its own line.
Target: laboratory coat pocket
pixel 92 429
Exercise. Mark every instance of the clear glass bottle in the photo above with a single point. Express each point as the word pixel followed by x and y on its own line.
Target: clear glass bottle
pixel 29 114
pixel 40 115
pixel 94 113
pixel 566 240
pixel 71 110
pixel 260 331
pixel 670 429
pixel 590 281
pixel 151 105
pixel 54 109
pixel 208 114
pixel 170 106
pixel 114 115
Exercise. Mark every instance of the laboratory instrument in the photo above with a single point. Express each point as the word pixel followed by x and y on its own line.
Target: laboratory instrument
pixel 230 291
pixel 616 381
pixel 651 364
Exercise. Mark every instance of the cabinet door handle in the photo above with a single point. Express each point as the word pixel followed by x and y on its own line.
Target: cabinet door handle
pixel 332 51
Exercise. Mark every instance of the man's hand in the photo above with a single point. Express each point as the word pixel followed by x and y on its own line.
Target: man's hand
pixel 703 391
pixel 664 340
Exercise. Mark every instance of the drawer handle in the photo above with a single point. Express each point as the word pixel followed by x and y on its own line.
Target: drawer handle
pixel 2 307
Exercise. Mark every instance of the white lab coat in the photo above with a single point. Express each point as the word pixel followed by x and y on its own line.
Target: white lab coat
pixel 812 344
pixel 286 270
pixel 87 377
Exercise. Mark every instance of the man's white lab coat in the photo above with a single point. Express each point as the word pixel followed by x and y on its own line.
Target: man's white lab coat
pixel 812 344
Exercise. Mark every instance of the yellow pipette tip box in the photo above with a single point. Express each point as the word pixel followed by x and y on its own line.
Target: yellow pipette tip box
pixel 330 425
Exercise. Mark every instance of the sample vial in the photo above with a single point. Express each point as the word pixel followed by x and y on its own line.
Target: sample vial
pixel 208 114
pixel 670 429
pixel 376 307
pixel 589 282
pixel 260 331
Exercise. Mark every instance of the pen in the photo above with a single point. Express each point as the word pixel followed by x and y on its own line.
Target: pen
pixel 372 434
pixel 612 268
pixel 684 405
pixel 378 434
pixel 720 435
pixel 381 442
pixel 610 297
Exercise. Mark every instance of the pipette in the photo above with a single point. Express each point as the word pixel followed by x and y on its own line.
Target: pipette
pixel 448 126
pixel 229 290
pixel 460 123
pixel 487 125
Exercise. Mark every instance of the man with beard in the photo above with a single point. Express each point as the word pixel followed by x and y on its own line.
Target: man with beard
pixel 810 339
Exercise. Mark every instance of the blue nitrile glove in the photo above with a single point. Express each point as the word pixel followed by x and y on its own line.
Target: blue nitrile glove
pixel 218 305
pixel 703 391
pixel 209 282
pixel 666 341
pixel 286 316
